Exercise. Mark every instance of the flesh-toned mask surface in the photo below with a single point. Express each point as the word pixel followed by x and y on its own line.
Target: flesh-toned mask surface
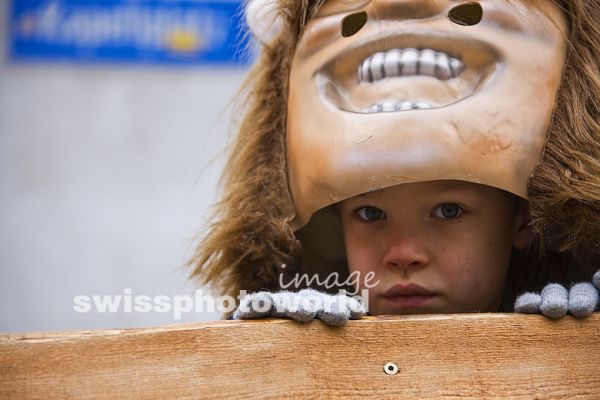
pixel 385 92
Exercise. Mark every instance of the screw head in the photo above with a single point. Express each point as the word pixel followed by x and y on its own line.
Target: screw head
pixel 390 368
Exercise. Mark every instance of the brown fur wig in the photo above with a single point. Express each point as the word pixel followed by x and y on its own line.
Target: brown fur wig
pixel 250 235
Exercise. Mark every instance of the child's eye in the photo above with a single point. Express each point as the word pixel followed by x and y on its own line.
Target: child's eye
pixel 370 213
pixel 448 211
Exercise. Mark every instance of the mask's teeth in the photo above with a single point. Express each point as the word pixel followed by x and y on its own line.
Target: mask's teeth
pixel 409 62
pixel 388 107
pixel 393 106
pixel 392 63
pixel 422 105
pixel 405 106
pixel 377 71
pixel 374 109
pixel 363 71
pixel 443 67
pixel 456 67
pixel 426 64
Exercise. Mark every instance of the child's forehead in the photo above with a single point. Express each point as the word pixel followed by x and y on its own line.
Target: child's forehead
pixel 430 188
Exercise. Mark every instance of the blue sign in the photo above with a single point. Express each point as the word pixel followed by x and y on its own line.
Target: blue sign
pixel 135 31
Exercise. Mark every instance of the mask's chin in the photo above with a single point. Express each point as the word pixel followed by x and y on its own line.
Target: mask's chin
pixel 405 73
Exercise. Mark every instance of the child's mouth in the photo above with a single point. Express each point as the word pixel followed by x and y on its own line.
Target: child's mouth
pixel 411 295
pixel 410 301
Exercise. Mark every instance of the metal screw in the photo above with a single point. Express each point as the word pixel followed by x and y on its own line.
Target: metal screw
pixel 390 368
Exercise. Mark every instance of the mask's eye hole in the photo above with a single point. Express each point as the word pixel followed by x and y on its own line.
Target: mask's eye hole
pixel 353 23
pixel 466 14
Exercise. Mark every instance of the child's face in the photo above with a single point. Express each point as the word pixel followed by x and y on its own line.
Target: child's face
pixel 451 238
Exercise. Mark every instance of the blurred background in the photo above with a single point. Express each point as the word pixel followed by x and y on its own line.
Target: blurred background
pixel 114 120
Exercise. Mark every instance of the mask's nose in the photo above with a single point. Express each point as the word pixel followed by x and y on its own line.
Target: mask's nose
pixel 382 10
pixel 404 9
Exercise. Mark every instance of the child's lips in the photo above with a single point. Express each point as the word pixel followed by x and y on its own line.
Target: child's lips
pixel 411 295
pixel 412 289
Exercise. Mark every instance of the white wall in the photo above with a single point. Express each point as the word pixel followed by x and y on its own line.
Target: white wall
pixel 106 174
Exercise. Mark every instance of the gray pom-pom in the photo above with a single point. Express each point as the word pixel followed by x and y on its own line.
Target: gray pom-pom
pixel 583 298
pixel 596 280
pixel 528 303
pixel 555 301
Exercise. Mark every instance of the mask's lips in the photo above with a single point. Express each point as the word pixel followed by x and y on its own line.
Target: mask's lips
pixel 406 72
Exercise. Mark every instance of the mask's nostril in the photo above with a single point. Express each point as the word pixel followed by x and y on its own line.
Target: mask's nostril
pixel 466 14
pixel 353 23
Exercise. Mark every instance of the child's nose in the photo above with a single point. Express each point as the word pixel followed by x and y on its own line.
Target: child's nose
pixel 406 251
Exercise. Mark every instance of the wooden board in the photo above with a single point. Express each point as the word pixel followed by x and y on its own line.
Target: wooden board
pixel 439 356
